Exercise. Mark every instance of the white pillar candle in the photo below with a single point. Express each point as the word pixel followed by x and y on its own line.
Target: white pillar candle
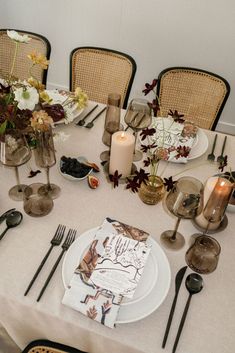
pixel 121 154
pixel 201 220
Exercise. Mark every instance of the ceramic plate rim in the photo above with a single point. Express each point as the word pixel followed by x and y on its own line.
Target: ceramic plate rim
pixel 201 137
pixel 76 113
pixel 162 263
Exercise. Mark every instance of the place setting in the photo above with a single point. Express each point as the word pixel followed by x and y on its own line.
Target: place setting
pixel 93 268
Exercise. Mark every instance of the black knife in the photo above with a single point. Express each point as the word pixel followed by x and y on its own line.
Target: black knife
pixel 178 280
pixel 5 214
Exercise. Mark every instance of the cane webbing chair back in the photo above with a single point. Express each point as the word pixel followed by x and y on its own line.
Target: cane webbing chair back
pixel 46 346
pixel 198 94
pixel 37 43
pixel 100 71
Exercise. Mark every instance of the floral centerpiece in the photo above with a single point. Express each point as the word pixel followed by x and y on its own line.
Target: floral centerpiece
pixel 20 99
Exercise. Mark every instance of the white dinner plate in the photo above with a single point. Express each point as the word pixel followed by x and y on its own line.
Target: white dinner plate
pixel 58 98
pixel 200 146
pixel 151 290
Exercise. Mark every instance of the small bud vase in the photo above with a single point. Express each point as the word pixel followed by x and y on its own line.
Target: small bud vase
pixel 153 191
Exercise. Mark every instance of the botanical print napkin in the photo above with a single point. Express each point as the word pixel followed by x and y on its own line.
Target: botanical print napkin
pixel 95 302
pixel 120 267
pixel 176 137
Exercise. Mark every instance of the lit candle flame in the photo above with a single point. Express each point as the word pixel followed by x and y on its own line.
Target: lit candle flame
pixel 122 134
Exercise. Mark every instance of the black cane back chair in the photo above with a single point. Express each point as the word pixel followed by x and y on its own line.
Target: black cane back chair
pixel 38 43
pixel 198 94
pixel 100 71
pixel 45 346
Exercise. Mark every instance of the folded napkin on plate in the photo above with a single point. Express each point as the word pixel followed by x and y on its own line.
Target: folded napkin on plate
pixel 82 294
pixel 176 137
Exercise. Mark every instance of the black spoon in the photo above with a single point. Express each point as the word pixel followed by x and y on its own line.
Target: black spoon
pixel 12 220
pixel 194 285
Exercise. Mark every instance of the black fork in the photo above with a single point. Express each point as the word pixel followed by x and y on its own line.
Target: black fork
pixel 55 241
pixel 68 241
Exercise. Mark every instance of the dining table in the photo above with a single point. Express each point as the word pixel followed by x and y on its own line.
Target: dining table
pixel 210 323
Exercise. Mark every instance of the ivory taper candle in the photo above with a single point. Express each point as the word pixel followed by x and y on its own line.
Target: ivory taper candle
pixel 121 154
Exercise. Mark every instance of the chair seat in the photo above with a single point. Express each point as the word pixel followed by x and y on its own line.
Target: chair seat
pixel 46 346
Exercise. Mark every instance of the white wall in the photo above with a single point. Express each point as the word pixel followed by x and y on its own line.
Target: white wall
pixel 157 33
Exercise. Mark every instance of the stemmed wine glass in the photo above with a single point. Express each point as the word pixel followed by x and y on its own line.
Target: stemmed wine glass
pixel 45 158
pixel 14 153
pixel 112 122
pixel 185 201
pixel 138 117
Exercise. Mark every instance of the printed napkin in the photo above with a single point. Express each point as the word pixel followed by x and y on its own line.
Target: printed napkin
pixel 176 137
pixel 98 303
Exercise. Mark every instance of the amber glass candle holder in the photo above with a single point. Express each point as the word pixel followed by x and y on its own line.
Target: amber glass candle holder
pixel 218 201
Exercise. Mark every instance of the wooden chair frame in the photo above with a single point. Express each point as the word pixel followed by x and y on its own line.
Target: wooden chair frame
pixel 42 38
pixel 199 71
pixel 105 50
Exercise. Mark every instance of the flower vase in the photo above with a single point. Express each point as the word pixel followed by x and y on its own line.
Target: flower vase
pixel 153 191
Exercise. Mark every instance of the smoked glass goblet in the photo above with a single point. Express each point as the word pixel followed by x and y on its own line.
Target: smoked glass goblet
pixel 112 122
pixel 203 255
pixel 45 158
pixel 138 117
pixel 14 153
pixel 185 201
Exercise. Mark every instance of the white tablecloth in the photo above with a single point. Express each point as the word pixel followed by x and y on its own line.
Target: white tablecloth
pixel 210 324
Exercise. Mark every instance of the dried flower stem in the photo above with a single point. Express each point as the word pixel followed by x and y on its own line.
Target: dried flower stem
pixel 14 59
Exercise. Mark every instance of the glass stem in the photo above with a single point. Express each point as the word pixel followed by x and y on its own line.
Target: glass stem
pixel 18 179
pixel 206 229
pixel 173 237
pixel 135 135
pixel 48 179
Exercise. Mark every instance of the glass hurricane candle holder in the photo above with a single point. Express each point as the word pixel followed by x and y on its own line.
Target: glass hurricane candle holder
pixel 217 203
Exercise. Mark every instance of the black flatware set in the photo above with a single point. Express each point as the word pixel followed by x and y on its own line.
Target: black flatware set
pixel 55 241
pixel 194 284
pixel 90 124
